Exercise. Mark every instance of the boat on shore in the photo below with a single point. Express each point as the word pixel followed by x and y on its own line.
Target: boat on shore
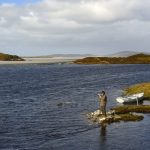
pixel 135 98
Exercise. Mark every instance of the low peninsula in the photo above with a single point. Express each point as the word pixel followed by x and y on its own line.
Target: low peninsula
pixel 7 57
pixel 133 59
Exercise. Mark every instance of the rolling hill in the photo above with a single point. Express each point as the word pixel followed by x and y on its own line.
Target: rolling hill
pixel 133 59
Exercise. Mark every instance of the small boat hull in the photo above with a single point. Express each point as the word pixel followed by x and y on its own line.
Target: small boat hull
pixel 131 99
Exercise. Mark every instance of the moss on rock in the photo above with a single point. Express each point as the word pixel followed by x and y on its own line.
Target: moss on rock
pixel 128 117
pixel 131 108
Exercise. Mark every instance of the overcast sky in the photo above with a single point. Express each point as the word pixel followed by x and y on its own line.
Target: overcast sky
pixel 41 27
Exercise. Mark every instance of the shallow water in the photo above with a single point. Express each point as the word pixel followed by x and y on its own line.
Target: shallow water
pixel 44 106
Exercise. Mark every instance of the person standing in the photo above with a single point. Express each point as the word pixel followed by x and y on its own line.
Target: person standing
pixel 103 101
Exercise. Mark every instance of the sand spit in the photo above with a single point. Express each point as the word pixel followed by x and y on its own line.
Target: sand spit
pixel 40 60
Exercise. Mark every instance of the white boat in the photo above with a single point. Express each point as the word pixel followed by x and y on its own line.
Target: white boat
pixel 130 99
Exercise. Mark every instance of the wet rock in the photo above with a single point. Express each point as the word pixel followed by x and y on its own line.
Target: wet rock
pixel 97 117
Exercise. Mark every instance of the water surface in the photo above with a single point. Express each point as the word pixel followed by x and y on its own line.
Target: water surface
pixel 44 106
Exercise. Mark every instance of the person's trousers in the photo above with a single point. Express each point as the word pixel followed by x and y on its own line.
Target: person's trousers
pixel 103 110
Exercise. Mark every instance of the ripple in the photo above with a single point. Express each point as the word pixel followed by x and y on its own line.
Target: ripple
pixel 43 107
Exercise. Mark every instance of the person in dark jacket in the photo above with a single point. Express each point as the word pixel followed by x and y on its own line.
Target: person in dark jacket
pixel 103 101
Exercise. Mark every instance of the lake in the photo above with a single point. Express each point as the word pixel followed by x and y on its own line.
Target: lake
pixel 43 107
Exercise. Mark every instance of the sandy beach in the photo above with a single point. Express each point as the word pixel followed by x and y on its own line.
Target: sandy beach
pixel 42 60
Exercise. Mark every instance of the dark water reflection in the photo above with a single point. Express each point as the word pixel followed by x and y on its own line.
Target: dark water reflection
pixel 103 130
pixel 43 107
pixel 103 133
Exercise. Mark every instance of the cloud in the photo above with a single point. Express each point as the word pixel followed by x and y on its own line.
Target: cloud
pixel 68 25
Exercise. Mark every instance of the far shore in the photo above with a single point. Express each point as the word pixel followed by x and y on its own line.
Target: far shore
pixel 40 60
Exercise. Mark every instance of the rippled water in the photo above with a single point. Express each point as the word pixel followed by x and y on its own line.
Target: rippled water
pixel 44 106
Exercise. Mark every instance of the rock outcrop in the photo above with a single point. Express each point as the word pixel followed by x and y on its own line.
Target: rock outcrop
pixel 113 116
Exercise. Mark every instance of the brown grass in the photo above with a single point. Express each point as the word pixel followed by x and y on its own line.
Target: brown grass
pixel 132 108
pixel 128 117
pixel 134 59
pixel 7 57
pixel 138 88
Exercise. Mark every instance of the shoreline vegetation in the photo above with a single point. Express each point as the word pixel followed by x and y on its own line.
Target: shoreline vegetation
pixel 133 59
pixel 87 60
pixel 7 57
pixel 139 88
pixel 125 112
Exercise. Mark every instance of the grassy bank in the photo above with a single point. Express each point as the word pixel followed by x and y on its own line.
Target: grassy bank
pixel 7 57
pixel 134 59
pixel 132 108
pixel 128 117
pixel 138 88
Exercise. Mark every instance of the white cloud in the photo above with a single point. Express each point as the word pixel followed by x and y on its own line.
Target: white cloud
pixel 69 24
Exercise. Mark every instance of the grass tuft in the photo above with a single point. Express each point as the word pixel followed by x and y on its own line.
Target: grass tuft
pixel 138 88
pixel 131 108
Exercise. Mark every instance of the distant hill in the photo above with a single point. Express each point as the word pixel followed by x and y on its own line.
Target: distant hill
pixel 7 57
pixel 71 55
pixel 133 59
pixel 122 54
pixel 60 55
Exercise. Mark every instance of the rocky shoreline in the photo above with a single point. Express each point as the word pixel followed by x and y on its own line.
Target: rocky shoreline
pixel 125 112
pixel 113 116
